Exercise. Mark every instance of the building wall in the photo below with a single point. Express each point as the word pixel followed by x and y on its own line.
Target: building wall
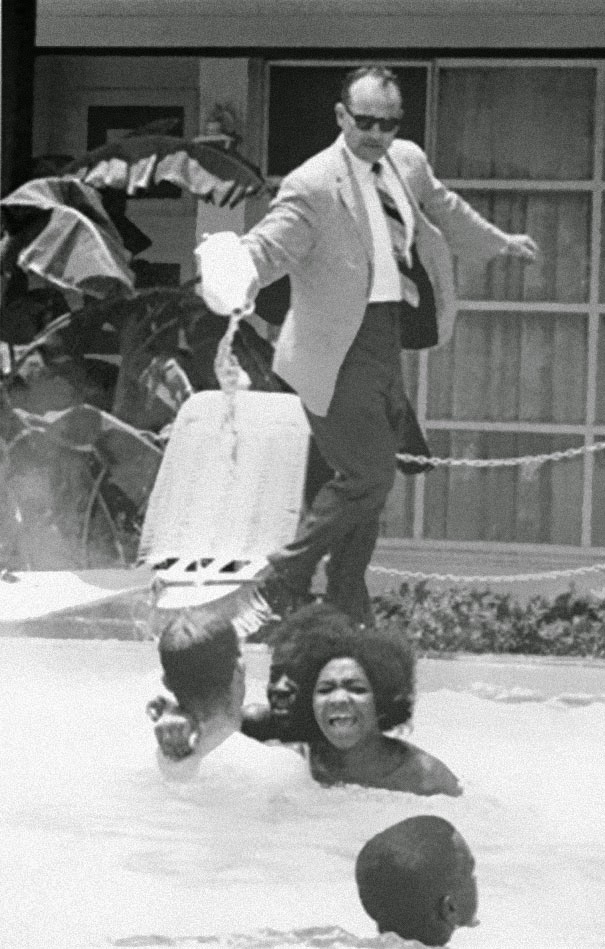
pixel 66 87
pixel 524 373
pixel 523 140
pixel 333 24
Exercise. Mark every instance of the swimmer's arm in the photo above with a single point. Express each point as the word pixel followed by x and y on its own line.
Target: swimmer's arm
pixel 258 723
pixel 424 774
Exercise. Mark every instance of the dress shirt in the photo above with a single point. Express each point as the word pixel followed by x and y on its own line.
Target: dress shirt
pixel 386 284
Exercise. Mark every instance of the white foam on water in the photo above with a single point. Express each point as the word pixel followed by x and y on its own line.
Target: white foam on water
pixel 95 849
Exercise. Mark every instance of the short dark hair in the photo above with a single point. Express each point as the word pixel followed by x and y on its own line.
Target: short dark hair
pixel 199 660
pixel 385 76
pixel 316 634
pixel 402 872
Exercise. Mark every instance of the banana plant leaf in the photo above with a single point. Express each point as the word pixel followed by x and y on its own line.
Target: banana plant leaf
pixel 134 163
pixel 77 482
pixel 58 231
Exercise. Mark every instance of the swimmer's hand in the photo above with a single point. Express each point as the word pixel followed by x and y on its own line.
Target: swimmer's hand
pixel 177 733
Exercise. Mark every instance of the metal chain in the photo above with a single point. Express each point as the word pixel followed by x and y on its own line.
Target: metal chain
pixel 531 460
pixel 490 578
pixel 227 371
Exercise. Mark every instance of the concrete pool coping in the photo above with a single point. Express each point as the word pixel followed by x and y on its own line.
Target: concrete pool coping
pixel 117 607
pixel 504 678
pixel 520 678
pixel 513 678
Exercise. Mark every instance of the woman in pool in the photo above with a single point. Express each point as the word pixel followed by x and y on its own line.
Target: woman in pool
pixel 347 688
pixel 338 690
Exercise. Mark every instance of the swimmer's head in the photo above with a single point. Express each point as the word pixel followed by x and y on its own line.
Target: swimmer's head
pixel 295 641
pixel 202 664
pixel 417 879
pixel 281 692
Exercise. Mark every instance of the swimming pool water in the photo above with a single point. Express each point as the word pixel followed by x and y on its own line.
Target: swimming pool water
pixel 97 852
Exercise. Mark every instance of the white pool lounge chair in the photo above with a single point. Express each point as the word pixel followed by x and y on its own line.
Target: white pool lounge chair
pixel 228 492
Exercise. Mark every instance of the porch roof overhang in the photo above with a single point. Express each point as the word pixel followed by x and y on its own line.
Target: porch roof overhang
pixel 337 24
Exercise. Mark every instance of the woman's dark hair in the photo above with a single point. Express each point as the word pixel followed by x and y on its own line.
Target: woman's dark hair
pixel 199 660
pixel 316 634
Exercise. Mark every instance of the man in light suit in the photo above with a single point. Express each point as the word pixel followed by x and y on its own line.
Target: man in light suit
pixel 356 286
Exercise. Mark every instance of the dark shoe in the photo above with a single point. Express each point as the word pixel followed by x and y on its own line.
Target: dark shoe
pixel 266 603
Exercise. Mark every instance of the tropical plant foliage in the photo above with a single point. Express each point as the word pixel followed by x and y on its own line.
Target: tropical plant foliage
pixel 482 621
pixel 99 366
pixel 81 437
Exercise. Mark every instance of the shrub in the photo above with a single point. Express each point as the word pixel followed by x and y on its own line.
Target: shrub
pixel 481 621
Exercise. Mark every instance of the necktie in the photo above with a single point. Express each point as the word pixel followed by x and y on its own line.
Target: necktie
pixel 418 316
pixel 398 235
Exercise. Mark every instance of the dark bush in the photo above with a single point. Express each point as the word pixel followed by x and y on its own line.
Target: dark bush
pixel 481 621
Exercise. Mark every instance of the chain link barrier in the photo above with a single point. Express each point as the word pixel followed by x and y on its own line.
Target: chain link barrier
pixel 533 461
pixel 228 373
pixel 490 578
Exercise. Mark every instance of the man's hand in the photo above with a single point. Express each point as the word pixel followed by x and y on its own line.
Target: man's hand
pixel 522 246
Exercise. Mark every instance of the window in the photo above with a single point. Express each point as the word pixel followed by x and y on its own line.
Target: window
pixel 518 141
pixel 301 109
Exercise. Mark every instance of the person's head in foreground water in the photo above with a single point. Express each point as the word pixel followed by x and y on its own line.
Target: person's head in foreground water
pixel 350 686
pixel 417 879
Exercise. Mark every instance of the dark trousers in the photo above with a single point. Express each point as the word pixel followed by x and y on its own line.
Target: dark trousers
pixel 358 439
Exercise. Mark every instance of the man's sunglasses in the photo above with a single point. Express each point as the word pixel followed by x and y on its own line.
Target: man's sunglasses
pixel 366 122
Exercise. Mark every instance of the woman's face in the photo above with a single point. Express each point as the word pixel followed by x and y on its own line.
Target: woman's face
pixel 343 704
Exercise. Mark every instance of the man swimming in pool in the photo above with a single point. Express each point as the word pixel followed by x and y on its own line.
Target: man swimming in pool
pixel 204 670
pixel 417 879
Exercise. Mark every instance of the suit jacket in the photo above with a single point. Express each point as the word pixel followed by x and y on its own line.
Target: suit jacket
pixel 317 231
